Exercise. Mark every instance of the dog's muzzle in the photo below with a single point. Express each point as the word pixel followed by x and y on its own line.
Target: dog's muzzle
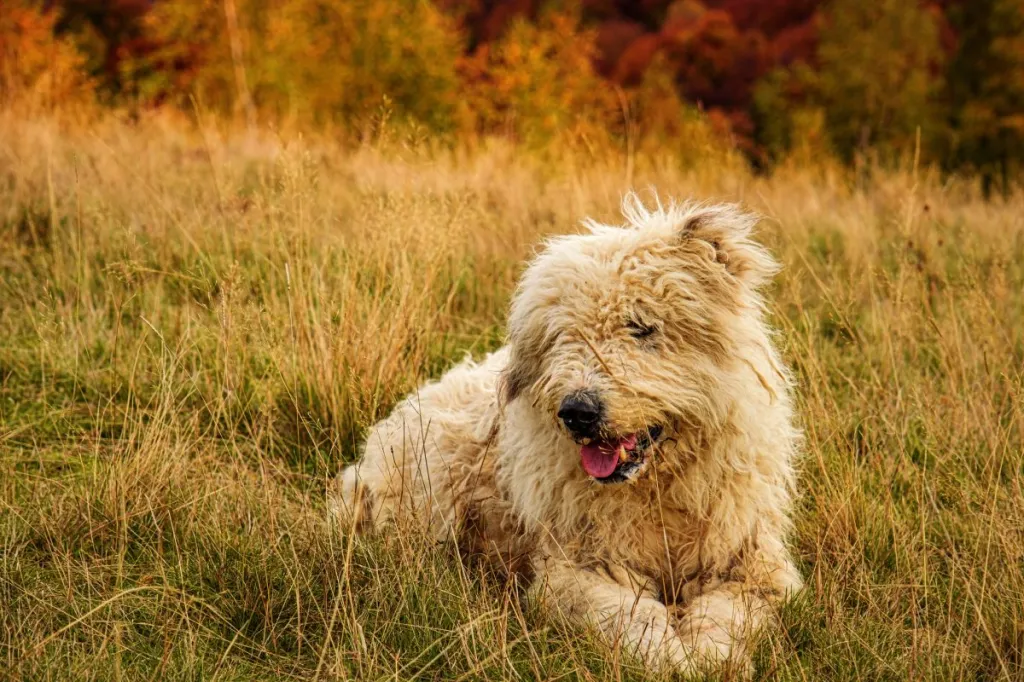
pixel 582 413
pixel 605 456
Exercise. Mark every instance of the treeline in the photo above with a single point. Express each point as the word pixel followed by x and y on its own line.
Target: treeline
pixel 854 79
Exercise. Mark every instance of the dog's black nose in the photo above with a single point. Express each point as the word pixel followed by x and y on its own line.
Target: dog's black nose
pixel 581 413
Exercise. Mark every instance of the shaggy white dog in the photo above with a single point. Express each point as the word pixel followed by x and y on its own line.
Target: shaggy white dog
pixel 630 449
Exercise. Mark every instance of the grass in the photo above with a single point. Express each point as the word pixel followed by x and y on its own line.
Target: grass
pixel 197 328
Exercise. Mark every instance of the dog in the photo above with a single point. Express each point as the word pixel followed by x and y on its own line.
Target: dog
pixel 630 449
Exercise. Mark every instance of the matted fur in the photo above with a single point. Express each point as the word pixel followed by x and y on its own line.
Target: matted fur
pixel 680 565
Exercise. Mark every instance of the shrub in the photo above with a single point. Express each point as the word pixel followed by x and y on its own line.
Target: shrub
pixel 37 68
pixel 538 82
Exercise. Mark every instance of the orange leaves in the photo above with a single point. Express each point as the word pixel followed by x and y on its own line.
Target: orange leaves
pixel 38 68
pixel 536 82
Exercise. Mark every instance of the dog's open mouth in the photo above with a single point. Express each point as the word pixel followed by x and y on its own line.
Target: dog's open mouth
pixel 617 460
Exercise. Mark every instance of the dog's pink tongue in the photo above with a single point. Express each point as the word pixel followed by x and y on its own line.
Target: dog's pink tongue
pixel 601 457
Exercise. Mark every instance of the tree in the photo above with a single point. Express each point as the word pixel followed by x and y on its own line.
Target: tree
pixel 986 88
pixel 877 81
pixel 538 82
pixel 320 60
pixel 38 68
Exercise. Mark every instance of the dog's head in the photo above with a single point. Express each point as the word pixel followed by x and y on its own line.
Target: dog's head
pixel 626 336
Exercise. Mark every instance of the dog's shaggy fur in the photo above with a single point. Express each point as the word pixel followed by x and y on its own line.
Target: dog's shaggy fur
pixel 677 555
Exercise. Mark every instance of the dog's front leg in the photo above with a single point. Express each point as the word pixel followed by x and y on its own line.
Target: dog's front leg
pixel 719 624
pixel 720 621
pixel 623 606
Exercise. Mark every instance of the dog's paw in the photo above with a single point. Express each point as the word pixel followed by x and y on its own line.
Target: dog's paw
pixel 710 646
pixel 349 502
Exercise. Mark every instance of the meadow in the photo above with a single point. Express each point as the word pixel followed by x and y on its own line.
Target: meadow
pixel 198 324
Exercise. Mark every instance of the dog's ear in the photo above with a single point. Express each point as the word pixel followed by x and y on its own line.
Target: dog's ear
pixel 723 234
pixel 523 367
pixel 515 379
pixel 527 342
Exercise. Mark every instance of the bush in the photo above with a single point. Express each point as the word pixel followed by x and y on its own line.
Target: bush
pixel 37 68
pixel 665 124
pixel 537 83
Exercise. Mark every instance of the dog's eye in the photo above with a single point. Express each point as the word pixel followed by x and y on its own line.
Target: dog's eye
pixel 639 330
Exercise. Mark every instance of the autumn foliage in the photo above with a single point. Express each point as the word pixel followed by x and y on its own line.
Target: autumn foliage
pixel 37 65
pixel 851 79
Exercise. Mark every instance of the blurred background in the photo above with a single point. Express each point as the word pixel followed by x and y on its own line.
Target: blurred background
pixel 849 80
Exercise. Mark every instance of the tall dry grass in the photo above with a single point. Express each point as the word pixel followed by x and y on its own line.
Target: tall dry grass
pixel 196 328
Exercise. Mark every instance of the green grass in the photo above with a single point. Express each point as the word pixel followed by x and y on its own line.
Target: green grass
pixel 195 335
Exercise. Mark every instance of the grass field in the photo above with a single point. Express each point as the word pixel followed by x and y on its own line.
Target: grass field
pixel 196 329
